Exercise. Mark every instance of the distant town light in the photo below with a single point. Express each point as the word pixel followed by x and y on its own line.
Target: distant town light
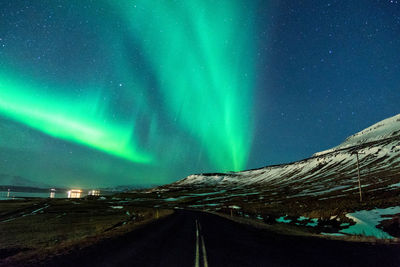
pixel 94 193
pixel 52 193
pixel 74 193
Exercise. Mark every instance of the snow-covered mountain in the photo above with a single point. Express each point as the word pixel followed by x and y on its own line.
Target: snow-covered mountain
pixel 326 173
pixel 321 191
pixel 12 180
pixel 384 129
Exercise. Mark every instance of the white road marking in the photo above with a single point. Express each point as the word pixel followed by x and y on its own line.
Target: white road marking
pixel 203 247
pixel 197 258
pixel 205 263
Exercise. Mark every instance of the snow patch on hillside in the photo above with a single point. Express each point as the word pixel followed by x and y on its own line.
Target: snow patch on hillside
pixel 367 220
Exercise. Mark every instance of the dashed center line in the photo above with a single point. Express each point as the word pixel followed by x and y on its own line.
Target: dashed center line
pixel 205 263
pixel 203 247
pixel 197 258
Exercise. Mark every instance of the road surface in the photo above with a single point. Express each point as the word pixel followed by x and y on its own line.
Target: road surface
pixel 189 238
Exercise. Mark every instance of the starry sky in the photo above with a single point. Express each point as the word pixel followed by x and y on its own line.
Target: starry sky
pixel 138 92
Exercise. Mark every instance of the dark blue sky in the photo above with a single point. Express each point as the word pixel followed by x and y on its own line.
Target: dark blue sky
pixel 330 69
pixel 188 87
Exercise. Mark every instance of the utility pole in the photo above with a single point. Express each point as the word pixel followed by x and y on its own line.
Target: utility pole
pixel 358 172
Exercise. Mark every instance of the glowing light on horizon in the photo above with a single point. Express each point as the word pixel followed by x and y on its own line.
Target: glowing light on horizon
pixel 74 193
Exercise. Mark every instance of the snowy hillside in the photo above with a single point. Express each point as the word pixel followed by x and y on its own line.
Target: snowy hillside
pixel 321 191
pixel 330 171
pixel 384 129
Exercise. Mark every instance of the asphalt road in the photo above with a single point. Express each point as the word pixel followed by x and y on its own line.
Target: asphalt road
pixel 199 239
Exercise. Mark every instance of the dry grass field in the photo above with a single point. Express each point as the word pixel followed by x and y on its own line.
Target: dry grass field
pixel 35 228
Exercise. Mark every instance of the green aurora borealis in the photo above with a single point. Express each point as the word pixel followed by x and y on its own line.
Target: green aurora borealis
pixel 104 93
pixel 69 120
pixel 167 81
pixel 204 69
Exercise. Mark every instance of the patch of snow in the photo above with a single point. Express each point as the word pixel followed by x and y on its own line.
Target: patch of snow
pixel 395 185
pixel 9 220
pixel 204 205
pixel 116 207
pixel 41 209
pixel 175 198
pixel 206 194
pixel 313 223
pixel 28 214
pixel 302 218
pixel 234 207
pixel 283 220
pixel 333 234
pixel 367 220
pixel 243 194
pixel 340 187
pixel 335 196
pixel 171 199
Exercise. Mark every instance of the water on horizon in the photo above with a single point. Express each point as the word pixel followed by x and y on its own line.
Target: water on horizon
pixel 4 195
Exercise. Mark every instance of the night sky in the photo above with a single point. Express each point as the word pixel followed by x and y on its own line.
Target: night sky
pixel 104 93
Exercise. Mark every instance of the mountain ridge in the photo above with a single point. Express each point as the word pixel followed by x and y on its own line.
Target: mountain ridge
pixel 380 140
pixel 383 129
pixel 323 193
pixel 16 180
